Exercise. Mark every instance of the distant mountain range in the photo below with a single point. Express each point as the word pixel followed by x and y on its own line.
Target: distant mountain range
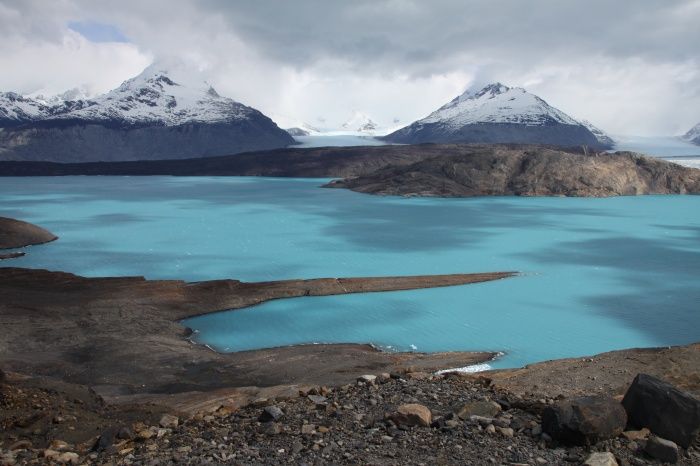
pixel 693 135
pixel 150 116
pixel 501 114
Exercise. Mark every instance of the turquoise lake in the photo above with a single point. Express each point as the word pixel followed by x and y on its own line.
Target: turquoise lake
pixel 597 274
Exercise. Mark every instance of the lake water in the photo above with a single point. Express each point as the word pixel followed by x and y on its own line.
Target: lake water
pixel 598 274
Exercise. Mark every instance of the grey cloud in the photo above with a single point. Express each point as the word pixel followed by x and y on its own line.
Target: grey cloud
pixel 630 66
pixel 410 34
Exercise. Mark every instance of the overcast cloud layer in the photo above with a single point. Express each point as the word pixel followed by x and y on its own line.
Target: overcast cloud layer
pixel 629 66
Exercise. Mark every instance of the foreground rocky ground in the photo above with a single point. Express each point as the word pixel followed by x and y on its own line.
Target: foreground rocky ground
pixel 467 421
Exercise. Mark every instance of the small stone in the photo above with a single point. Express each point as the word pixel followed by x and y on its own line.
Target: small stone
pixel 58 445
pixel 260 402
pixel 7 458
pixel 451 423
pixel 308 429
pixel 479 408
pixel 271 413
pixel 490 429
pixel 370 379
pixel 68 457
pixel 601 459
pixel 271 428
pixel 20 445
pixel 636 434
pixel 412 414
pixel 125 433
pixel 418 375
pixel 168 421
pixel 319 400
pixel 536 430
pixel 50 454
pixel 323 429
pixel 662 449
pixel 506 431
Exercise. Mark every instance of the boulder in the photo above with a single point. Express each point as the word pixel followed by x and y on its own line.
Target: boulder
pixel 479 408
pixel 271 413
pixel 664 450
pixel 601 459
pixel 664 409
pixel 585 420
pixel 412 414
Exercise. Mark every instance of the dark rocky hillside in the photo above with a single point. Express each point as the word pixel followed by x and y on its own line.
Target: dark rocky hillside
pixel 529 172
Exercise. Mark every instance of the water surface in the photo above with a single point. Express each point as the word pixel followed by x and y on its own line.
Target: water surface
pixel 598 274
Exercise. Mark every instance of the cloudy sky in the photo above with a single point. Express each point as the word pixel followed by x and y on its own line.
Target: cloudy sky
pixel 629 66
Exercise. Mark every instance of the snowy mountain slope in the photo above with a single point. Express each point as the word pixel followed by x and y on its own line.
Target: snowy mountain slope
pixel 147 117
pixel 601 136
pixel 360 122
pixel 693 135
pixel 498 113
pixel 153 97
pixel 16 109
pixel 497 103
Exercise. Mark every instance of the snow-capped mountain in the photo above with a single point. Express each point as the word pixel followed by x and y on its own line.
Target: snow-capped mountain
pixel 600 135
pixel 693 135
pixel 360 122
pixel 150 116
pixel 16 109
pixel 498 113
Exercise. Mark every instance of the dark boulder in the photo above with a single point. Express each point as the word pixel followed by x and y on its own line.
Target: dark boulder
pixel 585 420
pixel 665 410
pixel 107 439
pixel 271 413
pixel 663 450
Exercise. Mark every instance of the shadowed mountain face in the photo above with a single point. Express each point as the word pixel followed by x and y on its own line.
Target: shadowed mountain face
pixel 500 114
pixel 147 117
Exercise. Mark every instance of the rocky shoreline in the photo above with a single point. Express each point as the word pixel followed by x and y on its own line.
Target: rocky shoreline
pixel 18 234
pixel 99 371
pixel 401 417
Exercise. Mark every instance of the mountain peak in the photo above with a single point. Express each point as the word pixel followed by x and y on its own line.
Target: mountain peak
pixel 499 113
pixel 693 135
pixel 492 89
